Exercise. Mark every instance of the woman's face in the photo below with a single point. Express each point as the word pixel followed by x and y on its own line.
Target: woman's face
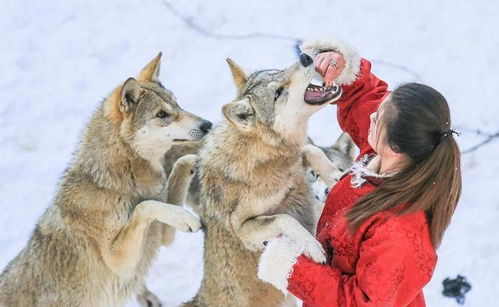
pixel 377 133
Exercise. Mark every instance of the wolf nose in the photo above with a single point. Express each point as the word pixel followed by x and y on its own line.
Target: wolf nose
pixel 206 126
pixel 305 59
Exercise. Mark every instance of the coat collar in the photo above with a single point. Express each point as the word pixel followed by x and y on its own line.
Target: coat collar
pixel 365 170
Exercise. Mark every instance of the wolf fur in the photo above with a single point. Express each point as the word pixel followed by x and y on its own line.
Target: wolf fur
pixel 95 243
pixel 341 154
pixel 324 166
pixel 253 185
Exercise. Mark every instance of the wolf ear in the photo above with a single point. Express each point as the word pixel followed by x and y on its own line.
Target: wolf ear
pixel 345 145
pixel 151 71
pixel 130 93
pixel 240 77
pixel 239 113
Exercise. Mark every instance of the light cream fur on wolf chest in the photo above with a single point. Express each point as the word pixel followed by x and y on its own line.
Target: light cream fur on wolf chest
pixel 95 243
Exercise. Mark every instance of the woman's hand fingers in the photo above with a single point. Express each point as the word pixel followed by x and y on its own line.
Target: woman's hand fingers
pixel 325 64
pixel 331 74
pixel 318 61
pixel 333 71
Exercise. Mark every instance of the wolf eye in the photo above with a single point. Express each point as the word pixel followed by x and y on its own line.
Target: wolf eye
pixel 161 114
pixel 278 93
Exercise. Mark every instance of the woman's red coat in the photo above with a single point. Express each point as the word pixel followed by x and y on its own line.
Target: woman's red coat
pixel 389 260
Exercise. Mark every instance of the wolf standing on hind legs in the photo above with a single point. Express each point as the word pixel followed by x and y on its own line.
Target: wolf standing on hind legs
pixel 95 243
pixel 253 184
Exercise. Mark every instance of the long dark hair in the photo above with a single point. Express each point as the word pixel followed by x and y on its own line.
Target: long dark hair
pixel 417 124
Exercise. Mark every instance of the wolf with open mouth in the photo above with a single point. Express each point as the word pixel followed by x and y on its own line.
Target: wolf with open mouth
pixel 253 184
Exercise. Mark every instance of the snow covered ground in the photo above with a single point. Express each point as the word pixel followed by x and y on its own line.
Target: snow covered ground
pixel 58 59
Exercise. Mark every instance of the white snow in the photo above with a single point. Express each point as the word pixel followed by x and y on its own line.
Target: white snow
pixel 59 59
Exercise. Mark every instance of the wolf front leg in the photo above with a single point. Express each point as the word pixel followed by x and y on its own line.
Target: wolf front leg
pixel 176 189
pixel 180 178
pixel 257 231
pixel 321 165
pixel 123 252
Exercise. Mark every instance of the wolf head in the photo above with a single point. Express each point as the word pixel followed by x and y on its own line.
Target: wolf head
pixel 148 116
pixel 276 104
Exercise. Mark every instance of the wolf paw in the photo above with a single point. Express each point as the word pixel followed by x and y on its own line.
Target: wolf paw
pixel 148 299
pixel 311 247
pixel 314 251
pixel 291 228
pixel 172 215
pixel 183 220
pixel 188 162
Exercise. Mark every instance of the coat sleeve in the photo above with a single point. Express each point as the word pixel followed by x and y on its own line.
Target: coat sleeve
pixel 358 101
pixel 396 260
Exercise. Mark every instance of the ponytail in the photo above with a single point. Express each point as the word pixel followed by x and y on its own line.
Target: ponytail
pixel 431 180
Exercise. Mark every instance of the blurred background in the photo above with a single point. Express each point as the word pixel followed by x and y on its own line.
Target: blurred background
pixel 59 59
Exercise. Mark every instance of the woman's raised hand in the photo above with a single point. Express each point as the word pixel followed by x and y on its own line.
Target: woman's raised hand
pixel 329 64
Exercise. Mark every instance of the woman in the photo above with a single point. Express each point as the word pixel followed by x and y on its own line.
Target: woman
pixel 384 219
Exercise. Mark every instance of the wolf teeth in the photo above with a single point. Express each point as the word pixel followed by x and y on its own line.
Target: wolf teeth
pixel 318 89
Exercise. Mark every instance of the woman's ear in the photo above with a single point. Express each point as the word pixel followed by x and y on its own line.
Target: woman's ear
pixel 240 113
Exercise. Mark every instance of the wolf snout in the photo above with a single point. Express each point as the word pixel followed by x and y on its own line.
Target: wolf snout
pixel 305 59
pixel 205 126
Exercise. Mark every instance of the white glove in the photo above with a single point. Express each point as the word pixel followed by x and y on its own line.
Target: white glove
pixel 277 261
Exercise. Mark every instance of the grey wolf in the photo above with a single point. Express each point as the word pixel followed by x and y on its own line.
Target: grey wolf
pixel 94 244
pixel 253 184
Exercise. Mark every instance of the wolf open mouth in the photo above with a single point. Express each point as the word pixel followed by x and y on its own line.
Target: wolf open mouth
pixel 317 94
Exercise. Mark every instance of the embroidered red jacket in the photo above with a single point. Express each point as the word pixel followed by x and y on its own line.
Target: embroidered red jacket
pixel 389 260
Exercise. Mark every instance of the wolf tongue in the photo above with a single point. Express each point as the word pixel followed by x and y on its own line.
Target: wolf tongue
pixel 314 95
